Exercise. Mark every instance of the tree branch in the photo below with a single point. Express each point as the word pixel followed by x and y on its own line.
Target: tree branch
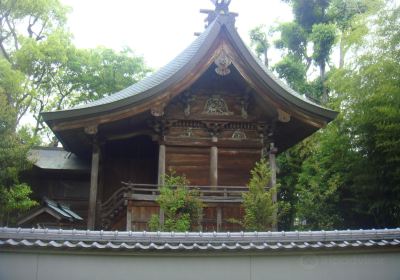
pixel 11 26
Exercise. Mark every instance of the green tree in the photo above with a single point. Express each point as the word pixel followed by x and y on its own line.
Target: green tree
pixel 182 207
pixel 257 202
pixel 259 42
pixel 349 177
pixel 371 88
pixel 14 194
pixel 45 71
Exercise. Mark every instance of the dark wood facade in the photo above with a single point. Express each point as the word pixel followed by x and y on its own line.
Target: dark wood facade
pixel 209 115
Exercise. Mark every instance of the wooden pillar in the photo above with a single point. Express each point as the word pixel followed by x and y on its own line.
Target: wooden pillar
pixel 272 164
pixel 219 218
pixel 214 162
pixel 161 164
pixel 93 185
pixel 129 216
pixel 161 174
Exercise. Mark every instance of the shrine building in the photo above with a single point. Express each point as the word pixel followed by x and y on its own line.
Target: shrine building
pixel 210 114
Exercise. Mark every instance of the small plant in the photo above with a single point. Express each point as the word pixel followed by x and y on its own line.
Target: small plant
pixel 260 210
pixel 182 207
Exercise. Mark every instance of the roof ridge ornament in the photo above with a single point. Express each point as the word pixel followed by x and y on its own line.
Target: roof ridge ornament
pixel 221 8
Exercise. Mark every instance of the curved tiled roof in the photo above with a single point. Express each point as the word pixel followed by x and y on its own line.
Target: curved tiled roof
pixel 158 82
pixel 135 91
pixel 240 241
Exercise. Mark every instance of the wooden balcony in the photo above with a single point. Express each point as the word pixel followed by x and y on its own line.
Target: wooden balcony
pixel 146 194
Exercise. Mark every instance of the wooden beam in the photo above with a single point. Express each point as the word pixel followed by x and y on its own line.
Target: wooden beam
pixel 93 185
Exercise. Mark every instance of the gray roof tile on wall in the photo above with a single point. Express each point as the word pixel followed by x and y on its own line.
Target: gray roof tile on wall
pixel 114 240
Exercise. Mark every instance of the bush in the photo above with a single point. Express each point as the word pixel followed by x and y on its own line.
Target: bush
pixel 182 207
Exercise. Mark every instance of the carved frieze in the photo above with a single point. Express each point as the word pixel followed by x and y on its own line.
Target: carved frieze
pixel 216 106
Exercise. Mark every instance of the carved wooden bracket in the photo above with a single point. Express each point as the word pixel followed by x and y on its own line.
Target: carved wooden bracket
pixel 157 110
pixel 160 125
pixel 283 116
pixel 214 128
pixel 91 130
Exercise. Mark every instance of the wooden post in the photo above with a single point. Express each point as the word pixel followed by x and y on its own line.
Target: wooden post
pixel 99 200
pixel 214 163
pixel 161 164
pixel 93 186
pixel 129 216
pixel 161 174
pixel 272 164
pixel 219 218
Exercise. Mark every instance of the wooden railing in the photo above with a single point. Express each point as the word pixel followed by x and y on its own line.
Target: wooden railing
pixel 149 192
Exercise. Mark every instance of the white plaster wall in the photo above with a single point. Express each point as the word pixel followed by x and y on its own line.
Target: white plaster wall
pixel 67 266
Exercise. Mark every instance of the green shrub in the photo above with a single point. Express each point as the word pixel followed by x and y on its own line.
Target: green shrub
pixel 182 207
pixel 257 202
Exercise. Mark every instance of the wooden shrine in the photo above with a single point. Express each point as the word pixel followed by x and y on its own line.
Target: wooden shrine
pixel 209 114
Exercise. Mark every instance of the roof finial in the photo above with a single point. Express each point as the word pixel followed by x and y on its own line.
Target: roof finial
pixel 221 6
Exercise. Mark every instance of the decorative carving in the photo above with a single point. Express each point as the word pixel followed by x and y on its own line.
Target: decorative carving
pixel 157 111
pixel 91 130
pixel 216 105
pixel 160 126
pixel 187 99
pixel 188 123
pixel 188 132
pixel 214 128
pixel 283 116
pixel 244 103
pixel 239 135
pixel 223 62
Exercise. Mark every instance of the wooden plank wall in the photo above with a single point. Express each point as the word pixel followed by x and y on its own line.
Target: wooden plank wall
pixel 193 162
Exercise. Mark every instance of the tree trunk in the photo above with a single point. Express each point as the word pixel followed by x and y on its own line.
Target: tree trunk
pixel 324 97
pixel 342 53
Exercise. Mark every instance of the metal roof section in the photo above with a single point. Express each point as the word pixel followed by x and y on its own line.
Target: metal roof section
pixel 198 241
pixel 57 210
pixel 158 82
pixel 57 159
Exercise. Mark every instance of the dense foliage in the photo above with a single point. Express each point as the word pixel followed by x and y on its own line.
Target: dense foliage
pixel 14 194
pixel 182 207
pixel 42 70
pixel 348 174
